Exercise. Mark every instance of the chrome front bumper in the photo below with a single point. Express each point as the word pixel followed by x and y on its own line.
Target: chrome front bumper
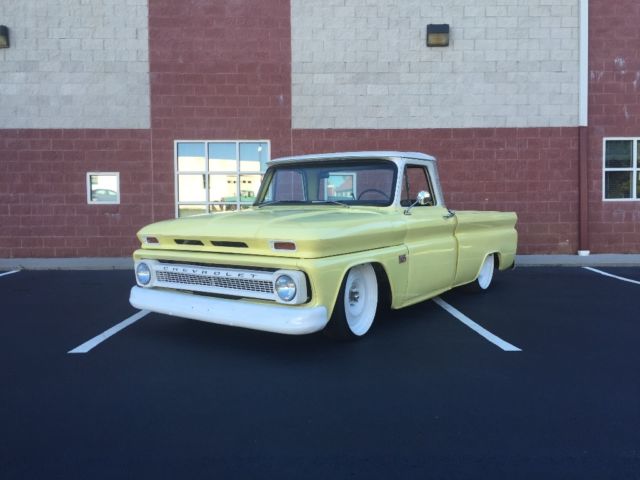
pixel 292 320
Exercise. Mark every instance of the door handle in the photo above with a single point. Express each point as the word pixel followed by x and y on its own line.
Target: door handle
pixel 449 215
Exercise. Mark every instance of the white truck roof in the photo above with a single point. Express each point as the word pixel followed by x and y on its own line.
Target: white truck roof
pixel 354 155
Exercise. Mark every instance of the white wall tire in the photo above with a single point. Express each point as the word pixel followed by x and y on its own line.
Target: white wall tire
pixel 357 303
pixel 485 277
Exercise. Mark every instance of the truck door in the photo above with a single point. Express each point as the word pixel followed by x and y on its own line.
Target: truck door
pixel 430 240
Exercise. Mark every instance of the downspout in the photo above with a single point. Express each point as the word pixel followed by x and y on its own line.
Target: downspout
pixel 583 132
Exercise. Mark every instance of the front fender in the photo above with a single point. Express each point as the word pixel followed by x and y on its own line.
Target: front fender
pixel 326 274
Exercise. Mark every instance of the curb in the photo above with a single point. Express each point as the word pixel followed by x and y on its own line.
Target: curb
pixel 595 260
pixel 89 263
pixel 126 263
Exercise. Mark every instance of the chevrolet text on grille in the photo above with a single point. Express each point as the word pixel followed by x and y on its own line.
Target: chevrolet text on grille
pixel 214 273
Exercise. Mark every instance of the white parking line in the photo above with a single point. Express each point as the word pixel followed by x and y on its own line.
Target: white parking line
pixel 612 276
pixel 506 346
pixel 90 344
pixel 9 273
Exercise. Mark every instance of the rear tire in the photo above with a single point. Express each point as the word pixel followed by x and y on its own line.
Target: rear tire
pixel 485 277
pixel 356 306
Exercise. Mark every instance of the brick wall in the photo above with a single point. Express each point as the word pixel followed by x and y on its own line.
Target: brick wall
pixel 533 172
pixel 221 71
pixel 614 110
pixel 365 64
pixel 43 192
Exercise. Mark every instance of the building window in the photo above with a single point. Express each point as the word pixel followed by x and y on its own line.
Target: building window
pixel 103 188
pixel 215 176
pixel 621 179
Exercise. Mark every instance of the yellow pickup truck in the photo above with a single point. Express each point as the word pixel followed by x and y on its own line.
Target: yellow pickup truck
pixel 330 240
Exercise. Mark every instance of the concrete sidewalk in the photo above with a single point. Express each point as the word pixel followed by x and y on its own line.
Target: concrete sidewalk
pixel 594 260
pixel 90 263
pixel 125 263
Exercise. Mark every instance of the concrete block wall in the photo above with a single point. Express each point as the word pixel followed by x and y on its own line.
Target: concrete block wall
pixel 365 64
pixel 75 64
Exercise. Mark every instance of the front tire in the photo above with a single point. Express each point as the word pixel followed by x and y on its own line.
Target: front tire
pixel 356 306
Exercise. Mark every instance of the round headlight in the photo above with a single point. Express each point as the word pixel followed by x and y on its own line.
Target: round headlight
pixel 285 288
pixel 143 274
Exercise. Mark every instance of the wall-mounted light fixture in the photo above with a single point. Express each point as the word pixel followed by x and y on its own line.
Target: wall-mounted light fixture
pixel 4 37
pixel 438 35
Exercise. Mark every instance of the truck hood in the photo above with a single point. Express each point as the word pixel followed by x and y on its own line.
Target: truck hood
pixel 317 231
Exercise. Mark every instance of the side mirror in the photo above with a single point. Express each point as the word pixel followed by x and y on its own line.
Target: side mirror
pixel 423 198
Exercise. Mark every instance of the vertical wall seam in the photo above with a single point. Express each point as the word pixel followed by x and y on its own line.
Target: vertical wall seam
pixel 583 134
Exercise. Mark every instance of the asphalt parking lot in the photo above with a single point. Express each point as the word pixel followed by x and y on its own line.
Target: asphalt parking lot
pixel 423 396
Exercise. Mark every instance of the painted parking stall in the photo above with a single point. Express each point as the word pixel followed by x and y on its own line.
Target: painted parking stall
pixel 4 274
pixel 422 396
pixel 89 345
pixel 610 275
pixel 483 332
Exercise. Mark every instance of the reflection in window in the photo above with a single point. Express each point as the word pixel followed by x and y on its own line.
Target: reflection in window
pixel 621 177
pixel 254 156
pixel 618 184
pixel 340 186
pixel 189 210
pixel 415 180
pixel 619 154
pixel 222 157
pixel 352 183
pixel 191 188
pixel 222 207
pixel 249 185
pixel 103 188
pixel 287 185
pixel 218 175
pixel 191 157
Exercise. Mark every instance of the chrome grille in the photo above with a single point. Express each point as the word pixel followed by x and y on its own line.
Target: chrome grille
pixel 185 279
pixel 233 281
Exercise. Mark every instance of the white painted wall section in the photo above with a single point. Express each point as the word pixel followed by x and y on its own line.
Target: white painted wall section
pixel 75 64
pixel 584 63
pixel 365 64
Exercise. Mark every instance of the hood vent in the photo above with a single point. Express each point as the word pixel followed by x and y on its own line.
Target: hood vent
pixel 181 241
pixel 229 244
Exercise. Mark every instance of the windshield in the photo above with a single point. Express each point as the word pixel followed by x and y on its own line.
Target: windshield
pixel 365 182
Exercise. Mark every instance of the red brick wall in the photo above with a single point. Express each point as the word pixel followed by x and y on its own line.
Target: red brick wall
pixel 614 111
pixel 43 192
pixel 221 71
pixel 533 172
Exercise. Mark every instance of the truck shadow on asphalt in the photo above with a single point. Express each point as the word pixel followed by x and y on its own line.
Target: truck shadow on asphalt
pixel 391 329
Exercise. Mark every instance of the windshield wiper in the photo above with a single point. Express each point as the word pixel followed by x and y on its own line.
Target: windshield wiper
pixel 331 202
pixel 302 202
pixel 279 202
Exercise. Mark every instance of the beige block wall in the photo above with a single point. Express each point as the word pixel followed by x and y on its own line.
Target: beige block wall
pixel 75 64
pixel 365 64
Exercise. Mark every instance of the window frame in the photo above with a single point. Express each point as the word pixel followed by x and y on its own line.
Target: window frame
pixel 634 169
pixel 88 181
pixel 337 165
pixel 427 173
pixel 238 173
